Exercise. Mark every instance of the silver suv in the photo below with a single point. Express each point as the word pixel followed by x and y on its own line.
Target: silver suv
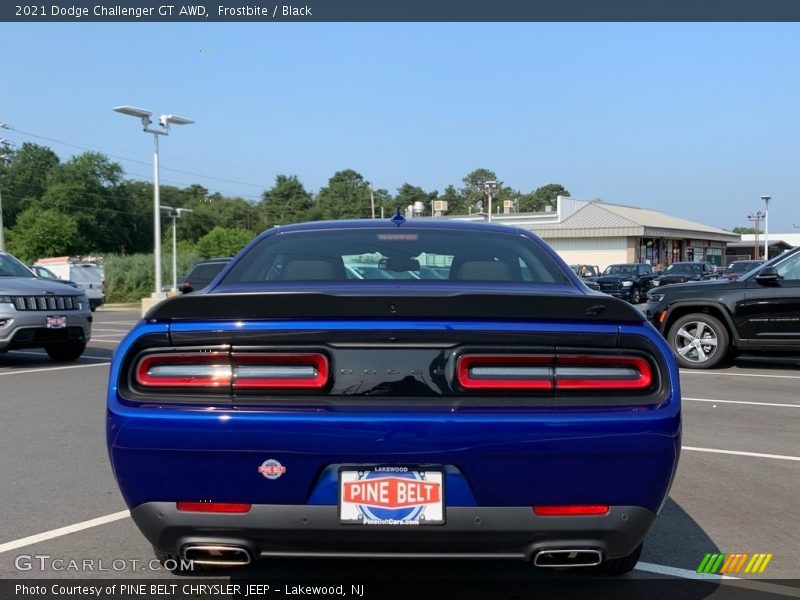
pixel 35 313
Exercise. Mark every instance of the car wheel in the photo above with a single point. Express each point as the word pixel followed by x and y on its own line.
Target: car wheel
pixel 699 340
pixel 636 295
pixel 66 352
pixel 619 566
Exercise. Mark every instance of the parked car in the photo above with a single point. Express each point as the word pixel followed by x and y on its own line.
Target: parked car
pixel 294 410
pixel 629 281
pixel 681 272
pixel 705 323
pixel 45 273
pixel 202 273
pixel 739 267
pixel 588 274
pixel 37 313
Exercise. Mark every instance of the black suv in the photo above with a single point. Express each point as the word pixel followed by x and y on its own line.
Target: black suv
pixel 705 322
pixel 629 281
pixel 681 272
pixel 203 272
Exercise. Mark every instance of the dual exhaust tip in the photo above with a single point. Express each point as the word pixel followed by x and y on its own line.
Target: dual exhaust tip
pixel 216 555
pixel 564 558
pixel 223 555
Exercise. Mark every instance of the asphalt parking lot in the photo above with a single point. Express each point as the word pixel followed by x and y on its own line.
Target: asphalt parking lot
pixel 737 487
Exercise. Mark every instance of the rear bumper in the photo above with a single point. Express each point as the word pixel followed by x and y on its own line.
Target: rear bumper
pixel 469 532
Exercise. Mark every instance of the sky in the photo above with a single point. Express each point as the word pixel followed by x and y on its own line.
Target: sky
pixel 696 120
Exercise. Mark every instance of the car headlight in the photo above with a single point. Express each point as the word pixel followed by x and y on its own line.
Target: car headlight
pixel 83 299
pixel 655 297
pixel 627 283
pixel 5 300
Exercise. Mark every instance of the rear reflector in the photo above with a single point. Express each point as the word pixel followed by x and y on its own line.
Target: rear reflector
pixel 214 507
pixel 571 510
pixel 238 371
pixel 545 372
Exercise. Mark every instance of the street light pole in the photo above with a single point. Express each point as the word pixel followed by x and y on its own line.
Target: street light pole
pixel 175 214
pixel 487 188
pixel 164 122
pixel 766 200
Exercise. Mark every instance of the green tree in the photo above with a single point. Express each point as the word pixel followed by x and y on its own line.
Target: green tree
pixel 222 241
pixel 27 175
pixel 538 199
pixel 39 233
pixel 470 196
pixel 408 194
pixel 741 230
pixel 285 202
pixel 345 197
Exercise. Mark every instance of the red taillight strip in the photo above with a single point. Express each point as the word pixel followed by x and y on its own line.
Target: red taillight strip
pixel 248 376
pixel 508 381
pixel 571 510
pixel 562 372
pixel 214 507
pixel 180 369
pixel 240 371
pixel 640 379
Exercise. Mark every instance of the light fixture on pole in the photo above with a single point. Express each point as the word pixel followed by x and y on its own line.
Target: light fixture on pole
pixel 756 219
pixel 164 121
pixel 766 200
pixel 175 214
pixel 488 189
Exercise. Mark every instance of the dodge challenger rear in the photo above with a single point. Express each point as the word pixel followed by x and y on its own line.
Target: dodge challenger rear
pixel 474 400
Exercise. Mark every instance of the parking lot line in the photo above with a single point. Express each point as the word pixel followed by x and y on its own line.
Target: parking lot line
pixel 742 402
pixel 43 354
pixel 98 364
pixel 759 586
pixel 717 373
pixel 741 453
pixel 62 531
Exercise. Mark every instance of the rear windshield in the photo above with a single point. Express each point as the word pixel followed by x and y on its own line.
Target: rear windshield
pixel 683 269
pixel 85 273
pixel 409 254
pixel 741 267
pixel 205 273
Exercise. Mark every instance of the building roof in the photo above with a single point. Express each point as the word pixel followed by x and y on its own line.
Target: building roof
pixel 599 219
pixel 793 239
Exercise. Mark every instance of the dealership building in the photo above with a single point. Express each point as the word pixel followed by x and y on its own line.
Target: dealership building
pixel 599 233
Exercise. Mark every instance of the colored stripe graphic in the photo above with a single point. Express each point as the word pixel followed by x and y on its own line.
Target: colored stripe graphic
pixel 720 562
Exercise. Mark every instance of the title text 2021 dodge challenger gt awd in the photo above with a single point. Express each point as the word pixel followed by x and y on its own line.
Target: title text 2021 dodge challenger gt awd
pixel 418 388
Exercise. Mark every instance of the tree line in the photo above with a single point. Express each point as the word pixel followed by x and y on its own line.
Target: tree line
pixel 86 205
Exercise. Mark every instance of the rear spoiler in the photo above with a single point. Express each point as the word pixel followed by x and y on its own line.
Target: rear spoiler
pixel 315 305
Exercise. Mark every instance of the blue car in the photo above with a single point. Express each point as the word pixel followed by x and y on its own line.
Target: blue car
pixel 490 405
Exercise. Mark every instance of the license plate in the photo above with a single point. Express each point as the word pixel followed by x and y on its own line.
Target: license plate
pixel 394 496
pixel 56 322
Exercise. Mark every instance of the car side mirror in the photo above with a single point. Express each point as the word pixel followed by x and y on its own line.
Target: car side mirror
pixel 768 276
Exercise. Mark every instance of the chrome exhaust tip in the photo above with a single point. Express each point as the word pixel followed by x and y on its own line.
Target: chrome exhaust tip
pixel 217 555
pixel 567 557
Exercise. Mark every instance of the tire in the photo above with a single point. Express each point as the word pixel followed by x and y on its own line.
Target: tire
pixel 699 341
pixel 66 352
pixel 619 566
pixel 636 295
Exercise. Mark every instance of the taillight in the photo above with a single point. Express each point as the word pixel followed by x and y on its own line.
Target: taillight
pixel 515 372
pixel 505 372
pixel 571 510
pixel 225 372
pixel 268 371
pixel 185 369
